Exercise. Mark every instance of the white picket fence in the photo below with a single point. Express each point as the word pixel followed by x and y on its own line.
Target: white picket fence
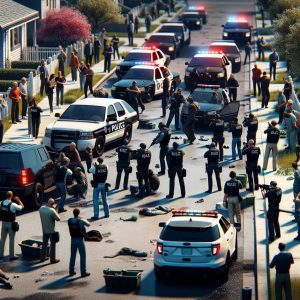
pixel 39 53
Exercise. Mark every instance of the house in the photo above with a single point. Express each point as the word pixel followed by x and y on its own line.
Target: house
pixel 17 30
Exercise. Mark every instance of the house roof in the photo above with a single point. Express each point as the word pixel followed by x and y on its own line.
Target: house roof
pixel 12 13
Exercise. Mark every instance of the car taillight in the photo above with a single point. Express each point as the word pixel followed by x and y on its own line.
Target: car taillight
pixel 215 249
pixel 24 177
pixel 159 248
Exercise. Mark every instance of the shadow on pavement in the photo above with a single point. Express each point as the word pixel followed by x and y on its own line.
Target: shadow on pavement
pixel 66 282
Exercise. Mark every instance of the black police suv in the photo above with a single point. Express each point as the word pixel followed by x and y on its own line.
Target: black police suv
pixel 180 29
pixel 192 20
pixel 238 30
pixel 168 43
pixel 200 10
pixel 27 170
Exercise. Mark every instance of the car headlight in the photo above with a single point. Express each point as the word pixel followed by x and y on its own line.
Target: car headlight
pixel 247 34
pixel 48 133
pixel 238 59
pixel 187 73
pixel 212 112
pixel 113 88
pixel 171 49
pixel 198 22
pixel 225 34
pixel 118 68
pixel 220 75
pixel 86 135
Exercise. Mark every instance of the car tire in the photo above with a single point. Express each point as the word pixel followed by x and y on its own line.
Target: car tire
pixel 159 274
pixel 235 253
pixel 99 146
pixel 149 95
pixel 127 135
pixel 226 268
pixel 37 197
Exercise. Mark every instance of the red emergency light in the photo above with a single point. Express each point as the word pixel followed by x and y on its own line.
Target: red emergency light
pixel 183 212
pixel 208 86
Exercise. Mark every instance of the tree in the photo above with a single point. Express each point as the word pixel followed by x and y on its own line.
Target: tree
pixel 63 27
pixel 264 5
pixel 100 12
pixel 293 48
pixel 280 6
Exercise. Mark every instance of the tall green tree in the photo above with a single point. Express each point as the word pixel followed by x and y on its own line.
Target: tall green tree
pixel 280 6
pixel 293 48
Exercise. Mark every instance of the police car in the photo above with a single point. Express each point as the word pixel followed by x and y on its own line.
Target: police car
pixel 149 77
pixel 195 241
pixel 230 49
pixel 142 54
pixel 92 122
pixel 191 19
pixel 215 63
pixel 213 100
pixel 237 29
pixel 200 10
pixel 180 29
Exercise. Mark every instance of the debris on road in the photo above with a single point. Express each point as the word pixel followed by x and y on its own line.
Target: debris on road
pixel 231 166
pixel 204 139
pixel 200 200
pixel 110 241
pixel 158 210
pixel 132 218
pixel 129 252
pixel 93 236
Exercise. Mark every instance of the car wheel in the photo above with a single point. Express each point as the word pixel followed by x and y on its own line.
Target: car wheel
pixel 235 253
pixel 37 196
pixel 149 95
pixel 127 135
pixel 159 274
pixel 226 268
pixel 99 146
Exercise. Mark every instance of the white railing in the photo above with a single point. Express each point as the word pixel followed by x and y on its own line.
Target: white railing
pixel 39 53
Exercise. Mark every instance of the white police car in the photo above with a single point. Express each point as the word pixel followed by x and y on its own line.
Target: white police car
pixel 92 122
pixel 195 241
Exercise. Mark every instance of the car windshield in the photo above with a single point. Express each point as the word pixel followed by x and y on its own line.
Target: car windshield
pixel 224 48
pixel 161 39
pixel 9 160
pixel 187 16
pixel 139 56
pixel 190 234
pixel 240 25
pixel 206 62
pixel 84 113
pixel 169 28
pixel 207 97
pixel 146 74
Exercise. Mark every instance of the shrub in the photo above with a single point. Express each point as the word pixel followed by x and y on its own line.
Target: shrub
pixel 15 74
pixel 19 64
pixel 4 85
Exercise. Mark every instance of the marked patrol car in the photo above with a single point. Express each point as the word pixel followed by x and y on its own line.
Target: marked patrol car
pixel 149 77
pixel 200 10
pixel 191 19
pixel 142 54
pixel 213 100
pixel 237 29
pixel 195 241
pixel 92 122
pixel 180 29
pixel 214 62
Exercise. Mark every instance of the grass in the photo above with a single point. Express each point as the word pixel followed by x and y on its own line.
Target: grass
pixel 153 27
pixel 280 77
pixel 124 53
pixel 72 95
pixel 140 34
pixel 163 20
pixel 273 96
pixel 285 158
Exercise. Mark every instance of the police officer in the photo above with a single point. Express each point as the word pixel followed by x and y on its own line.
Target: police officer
pixel 274 195
pixel 212 165
pixel 163 138
pixel 143 162
pixel 218 135
pixel 175 160
pixel 189 123
pixel 252 152
pixel 237 130
pixel 252 124
pixel 176 100
pixel 123 164
pixel 165 95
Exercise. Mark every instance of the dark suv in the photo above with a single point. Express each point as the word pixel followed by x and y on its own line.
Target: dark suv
pixel 27 170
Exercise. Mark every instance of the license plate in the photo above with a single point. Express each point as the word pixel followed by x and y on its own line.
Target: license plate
pixel 186 251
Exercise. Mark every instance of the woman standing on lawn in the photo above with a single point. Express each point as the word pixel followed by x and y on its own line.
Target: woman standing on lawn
pixel 50 85
pixel 60 81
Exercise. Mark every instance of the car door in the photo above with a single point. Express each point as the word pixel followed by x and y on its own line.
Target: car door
pixel 230 111
pixel 47 167
pixel 186 33
pixel 164 71
pixel 121 118
pixel 111 124
pixel 161 57
pixel 227 66
pixel 158 79
pixel 229 232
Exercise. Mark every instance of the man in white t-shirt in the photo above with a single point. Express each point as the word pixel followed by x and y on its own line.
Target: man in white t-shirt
pixel 8 211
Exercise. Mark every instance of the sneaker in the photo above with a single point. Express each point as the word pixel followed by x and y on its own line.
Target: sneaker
pixel 106 216
pixel 55 261
pixel 86 274
pixel 94 218
pixel 169 196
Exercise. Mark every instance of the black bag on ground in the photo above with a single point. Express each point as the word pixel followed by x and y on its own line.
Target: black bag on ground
pixel 100 93
pixel 93 236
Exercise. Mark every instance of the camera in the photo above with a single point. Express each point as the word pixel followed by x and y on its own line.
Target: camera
pixel 265 187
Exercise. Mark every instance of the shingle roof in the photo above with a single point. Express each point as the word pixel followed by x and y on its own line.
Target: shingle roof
pixel 12 12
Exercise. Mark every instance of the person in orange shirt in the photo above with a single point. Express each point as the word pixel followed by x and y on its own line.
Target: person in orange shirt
pixel 14 95
pixel 74 64
pixel 256 74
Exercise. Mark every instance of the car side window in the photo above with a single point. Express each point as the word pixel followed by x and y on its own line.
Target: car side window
pixel 30 159
pixel 43 154
pixel 157 74
pixel 159 53
pixel 120 109
pixel 111 112
pixel 223 225
pixel 165 71
pixel 155 56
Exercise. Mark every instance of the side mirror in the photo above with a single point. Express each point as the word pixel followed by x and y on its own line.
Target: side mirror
pixel 162 224
pixel 222 26
pixel 111 119
pixel 57 115
pixel 186 63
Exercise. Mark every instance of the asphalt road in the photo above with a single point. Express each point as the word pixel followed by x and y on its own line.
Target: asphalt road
pixel 139 235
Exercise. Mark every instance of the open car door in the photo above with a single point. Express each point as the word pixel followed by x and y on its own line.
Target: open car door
pixel 230 111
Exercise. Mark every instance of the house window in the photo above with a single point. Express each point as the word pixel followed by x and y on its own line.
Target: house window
pixel 15 37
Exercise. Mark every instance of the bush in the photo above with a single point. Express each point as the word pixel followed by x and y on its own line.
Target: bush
pixel 15 74
pixel 19 64
pixel 4 85
pixel 280 6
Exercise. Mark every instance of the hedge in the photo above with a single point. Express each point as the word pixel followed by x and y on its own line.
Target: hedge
pixel 15 74
pixel 4 85
pixel 19 64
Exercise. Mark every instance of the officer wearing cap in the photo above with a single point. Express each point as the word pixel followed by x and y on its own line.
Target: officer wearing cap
pixel 252 124
pixel 237 130
pixel 212 165
pixel 163 138
pixel 175 165
pixel 273 135
pixel 274 195
pixel 175 102
pixel 143 162
pixel 123 164
pixel 252 152
pixel 218 133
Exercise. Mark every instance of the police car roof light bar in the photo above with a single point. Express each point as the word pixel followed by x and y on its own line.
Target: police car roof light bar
pixel 238 20
pixel 146 63
pixel 209 86
pixel 182 212
pixel 210 52
pixel 145 48
pixel 196 7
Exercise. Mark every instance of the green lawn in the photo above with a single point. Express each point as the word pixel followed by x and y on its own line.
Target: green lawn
pixel 280 76
pixel 265 31
pixel 273 96
pixel 141 34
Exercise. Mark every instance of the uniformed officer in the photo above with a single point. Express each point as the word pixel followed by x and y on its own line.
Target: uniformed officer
pixel 218 135
pixel 231 198
pixel 163 138
pixel 175 102
pixel 252 152
pixel 143 162
pixel 237 130
pixel 165 95
pixel 252 124
pixel 274 195
pixel 175 160
pixel 123 164
pixel 189 123
pixel 212 165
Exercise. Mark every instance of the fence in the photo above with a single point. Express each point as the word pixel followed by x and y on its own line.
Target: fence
pixel 39 53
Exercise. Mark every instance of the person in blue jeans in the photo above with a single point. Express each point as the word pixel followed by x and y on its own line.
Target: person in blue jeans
pixel 237 130
pixel 77 231
pixel 100 172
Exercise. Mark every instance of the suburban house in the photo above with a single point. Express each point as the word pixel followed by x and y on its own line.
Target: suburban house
pixel 17 30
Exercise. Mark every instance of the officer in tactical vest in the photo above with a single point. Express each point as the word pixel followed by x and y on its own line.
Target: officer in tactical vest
pixel 252 152
pixel 274 195
pixel 252 124
pixel 212 165
pixel 175 165
pixel 123 164
pixel 100 172
pixel 143 162
pixel 217 124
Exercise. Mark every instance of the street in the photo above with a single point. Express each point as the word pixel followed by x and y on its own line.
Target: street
pixel 142 234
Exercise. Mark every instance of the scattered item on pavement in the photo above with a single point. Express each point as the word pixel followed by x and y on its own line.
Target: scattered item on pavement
pixel 157 166
pixel 110 241
pixel 231 166
pixel 202 138
pixel 285 172
pixel 200 200
pixel 176 137
pixel 125 209
pixel 158 210
pixel 290 178
pixel 106 235
pixel 132 218
pixel 93 236
pixel 153 241
pixel 130 252
pixel 31 249
pixel 43 276
pixel 134 189
pixel 111 155
pixel 81 203
pixel 226 147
